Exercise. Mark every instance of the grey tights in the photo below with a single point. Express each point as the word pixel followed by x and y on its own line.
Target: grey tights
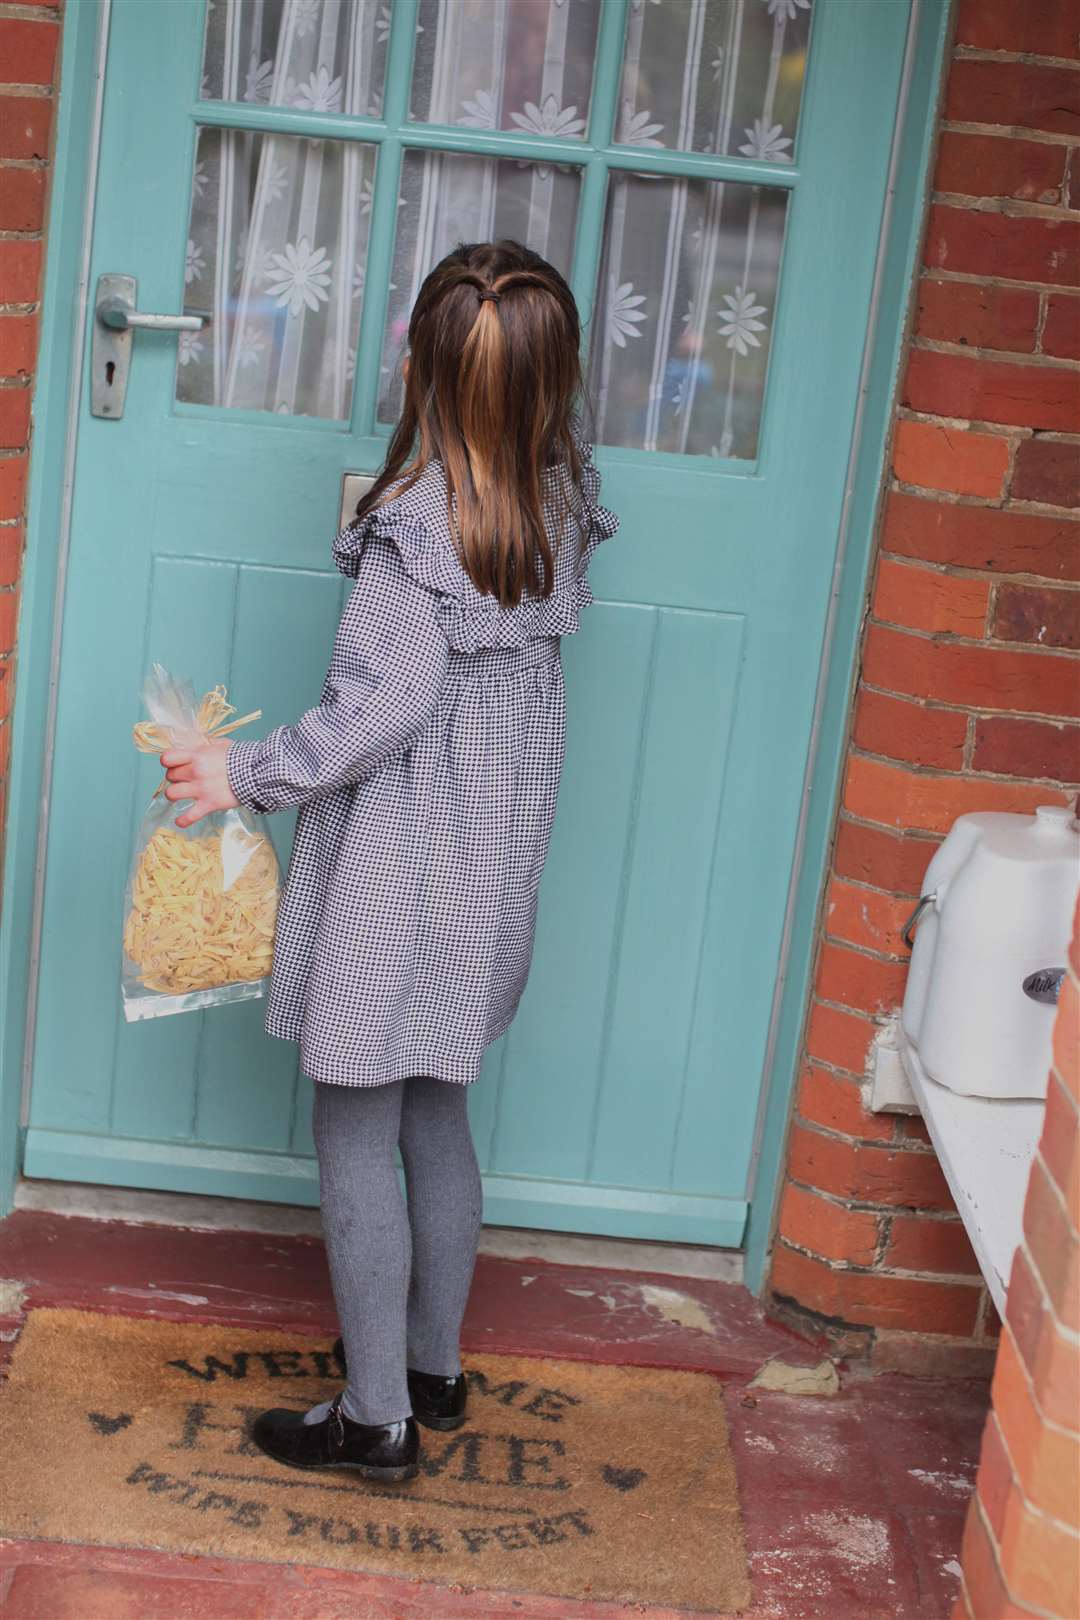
pixel 401 1272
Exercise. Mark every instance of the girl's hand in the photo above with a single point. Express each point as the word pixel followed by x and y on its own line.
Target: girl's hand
pixel 199 774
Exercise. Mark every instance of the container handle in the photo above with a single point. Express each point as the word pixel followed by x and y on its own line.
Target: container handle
pixel 912 922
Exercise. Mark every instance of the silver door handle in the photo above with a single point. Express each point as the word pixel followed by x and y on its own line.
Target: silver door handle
pixel 118 317
pixel 115 319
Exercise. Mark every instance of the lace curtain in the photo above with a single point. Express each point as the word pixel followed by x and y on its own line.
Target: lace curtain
pixel 279 225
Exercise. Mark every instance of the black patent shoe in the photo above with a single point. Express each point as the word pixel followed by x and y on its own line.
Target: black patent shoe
pixel 380 1451
pixel 437 1402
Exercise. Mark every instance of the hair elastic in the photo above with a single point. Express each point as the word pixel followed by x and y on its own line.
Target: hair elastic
pixel 494 296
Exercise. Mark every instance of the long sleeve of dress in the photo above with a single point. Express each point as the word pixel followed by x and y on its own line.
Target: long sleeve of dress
pixel 389 664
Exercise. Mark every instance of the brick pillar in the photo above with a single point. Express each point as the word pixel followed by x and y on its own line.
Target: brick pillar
pixel 1022 1541
pixel 29 39
pixel 969 688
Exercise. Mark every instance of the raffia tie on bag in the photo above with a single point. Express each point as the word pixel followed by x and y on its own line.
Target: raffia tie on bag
pixel 213 712
pixel 186 930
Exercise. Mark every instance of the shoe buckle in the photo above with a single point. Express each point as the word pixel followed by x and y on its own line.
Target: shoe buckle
pixel 337 1424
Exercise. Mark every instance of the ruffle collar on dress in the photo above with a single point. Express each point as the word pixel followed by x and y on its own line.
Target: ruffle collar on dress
pixel 415 522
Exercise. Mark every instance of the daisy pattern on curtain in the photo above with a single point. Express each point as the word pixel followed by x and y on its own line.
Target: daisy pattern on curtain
pixel 689 276
pixel 279 224
pixel 687 287
pixel 519 65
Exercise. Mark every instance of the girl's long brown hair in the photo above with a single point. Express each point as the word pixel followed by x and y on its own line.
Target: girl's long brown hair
pixel 491 391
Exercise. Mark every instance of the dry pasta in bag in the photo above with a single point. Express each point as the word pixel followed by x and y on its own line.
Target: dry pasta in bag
pixel 201 903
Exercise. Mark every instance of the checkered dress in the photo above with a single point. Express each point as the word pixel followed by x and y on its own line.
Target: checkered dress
pixel 426 778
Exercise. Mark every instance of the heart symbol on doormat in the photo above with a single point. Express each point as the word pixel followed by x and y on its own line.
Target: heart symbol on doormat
pixel 109 1425
pixel 623 1479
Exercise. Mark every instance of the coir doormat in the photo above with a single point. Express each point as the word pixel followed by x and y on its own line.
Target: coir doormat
pixel 567 1478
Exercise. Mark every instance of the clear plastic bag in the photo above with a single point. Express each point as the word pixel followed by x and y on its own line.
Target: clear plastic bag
pixel 201 901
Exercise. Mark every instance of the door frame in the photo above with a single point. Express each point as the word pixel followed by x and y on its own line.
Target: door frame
pixel 63 332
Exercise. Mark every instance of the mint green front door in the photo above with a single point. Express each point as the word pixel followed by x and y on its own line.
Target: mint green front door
pixel 711 175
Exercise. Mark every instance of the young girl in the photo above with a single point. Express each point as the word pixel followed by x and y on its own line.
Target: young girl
pixel 426 778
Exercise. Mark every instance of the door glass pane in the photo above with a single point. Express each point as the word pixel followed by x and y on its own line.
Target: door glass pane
pixel 277 242
pixel 684 316
pixel 450 198
pixel 318 55
pixel 722 76
pixel 506 64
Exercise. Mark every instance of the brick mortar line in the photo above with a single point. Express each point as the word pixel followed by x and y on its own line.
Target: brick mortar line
pixel 907 835
pixel 1040 322
pixel 967 1612
pixel 884 1238
pixel 996 577
pixel 874 888
pixel 882 1018
pixel 997 430
pixel 22 236
pixel 1037 1613
pixel 969 278
pixel 935 1217
pixel 967 424
pixel 837 1072
pixel 1044 1291
pixel 871 888
pixel 1057 1326
pixel 1048 1422
pixel 879 955
pixel 1060 1080
pixel 983 53
pixel 980 503
pixel 934 772
pixel 1059 1197
pixel 851 1268
pixel 1012 132
pixel 951 638
pixel 941 706
pixel 27 92
pixel 1004 357
pixel 916 1150
pixel 1004 207
pixel 979 710
pixel 1018 1480
pixel 984 503
pixel 20 311
pixel 1005 503
pixel 837 1006
pixel 872 955
pixel 1012 433
pixel 38 165
pixel 983 1315
pixel 1013 441
pixel 911 835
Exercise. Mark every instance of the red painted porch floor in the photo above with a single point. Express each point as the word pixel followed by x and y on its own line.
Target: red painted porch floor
pixel 853 1505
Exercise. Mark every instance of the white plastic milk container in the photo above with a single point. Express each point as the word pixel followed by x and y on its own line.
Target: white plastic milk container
pixel 992 941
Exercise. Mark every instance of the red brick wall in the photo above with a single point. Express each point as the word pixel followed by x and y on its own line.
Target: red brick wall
pixel 29 53
pixel 1022 1542
pixel 969 690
